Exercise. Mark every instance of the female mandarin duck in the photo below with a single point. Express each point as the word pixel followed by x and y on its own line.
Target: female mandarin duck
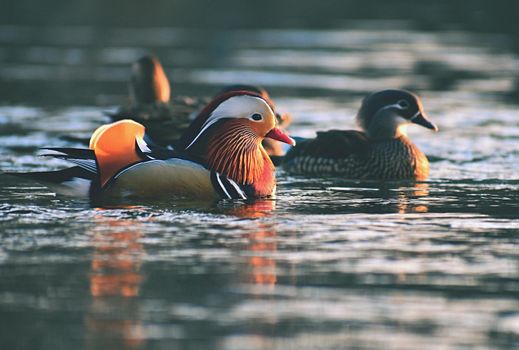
pixel 150 103
pixel 220 156
pixel 381 151
pixel 165 118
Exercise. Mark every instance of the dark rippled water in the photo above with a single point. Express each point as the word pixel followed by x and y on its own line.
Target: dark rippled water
pixel 329 264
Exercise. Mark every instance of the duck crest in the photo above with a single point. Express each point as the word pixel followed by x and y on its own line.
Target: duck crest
pixel 196 126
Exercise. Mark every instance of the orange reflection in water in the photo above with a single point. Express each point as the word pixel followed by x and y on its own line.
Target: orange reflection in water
pixel 262 266
pixel 406 198
pixel 116 263
pixel 113 320
pixel 256 209
pixel 261 244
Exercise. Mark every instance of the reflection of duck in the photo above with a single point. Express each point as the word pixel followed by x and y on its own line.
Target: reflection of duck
pixel 260 244
pixel 262 266
pixel 253 209
pixel 380 198
pixel 407 199
pixel 219 156
pixel 381 150
pixel 116 263
pixel 167 118
pixel 113 320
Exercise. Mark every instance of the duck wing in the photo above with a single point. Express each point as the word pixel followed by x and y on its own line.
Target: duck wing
pixel 321 154
pixel 332 144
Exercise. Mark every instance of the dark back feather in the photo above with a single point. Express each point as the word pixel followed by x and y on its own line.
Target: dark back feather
pixel 332 144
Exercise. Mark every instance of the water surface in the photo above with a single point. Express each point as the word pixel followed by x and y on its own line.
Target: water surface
pixel 329 264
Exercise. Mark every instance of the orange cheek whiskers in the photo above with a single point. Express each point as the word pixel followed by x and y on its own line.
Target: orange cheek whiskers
pixel 235 153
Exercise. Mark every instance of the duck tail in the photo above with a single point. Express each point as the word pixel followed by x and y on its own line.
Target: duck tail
pixel 113 147
pixel 75 181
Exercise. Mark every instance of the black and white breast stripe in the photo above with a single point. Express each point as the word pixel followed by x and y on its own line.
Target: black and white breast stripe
pixel 226 187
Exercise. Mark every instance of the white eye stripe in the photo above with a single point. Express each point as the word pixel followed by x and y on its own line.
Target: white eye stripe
pixel 234 107
pixel 396 105
pixel 206 125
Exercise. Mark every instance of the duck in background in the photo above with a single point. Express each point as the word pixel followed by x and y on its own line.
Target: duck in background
pixel 166 118
pixel 219 156
pixel 150 103
pixel 380 151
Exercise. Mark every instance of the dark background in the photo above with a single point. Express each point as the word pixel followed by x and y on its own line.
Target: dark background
pixel 53 52
pixel 476 15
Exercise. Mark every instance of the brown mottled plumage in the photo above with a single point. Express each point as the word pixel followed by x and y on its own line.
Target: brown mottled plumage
pixel 382 151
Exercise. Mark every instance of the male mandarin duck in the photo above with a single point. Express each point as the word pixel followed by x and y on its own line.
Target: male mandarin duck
pixel 219 156
pixel 167 118
pixel 381 151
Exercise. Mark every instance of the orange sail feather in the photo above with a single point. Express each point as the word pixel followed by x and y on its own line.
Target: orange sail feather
pixel 115 147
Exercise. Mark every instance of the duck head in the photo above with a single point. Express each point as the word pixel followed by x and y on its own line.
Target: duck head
pixel 227 136
pixel 272 147
pixel 387 113
pixel 148 83
pixel 282 119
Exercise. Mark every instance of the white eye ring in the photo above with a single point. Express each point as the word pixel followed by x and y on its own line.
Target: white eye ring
pixel 403 104
pixel 256 117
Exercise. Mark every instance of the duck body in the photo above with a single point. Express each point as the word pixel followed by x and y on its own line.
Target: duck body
pixel 221 156
pixel 178 178
pixel 381 151
pixel 150 103
pixel 354 156
pixel 165 122
pixel 157 178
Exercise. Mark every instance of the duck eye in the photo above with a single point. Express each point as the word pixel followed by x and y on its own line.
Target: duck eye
pixel 403 104
pixel 256 117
